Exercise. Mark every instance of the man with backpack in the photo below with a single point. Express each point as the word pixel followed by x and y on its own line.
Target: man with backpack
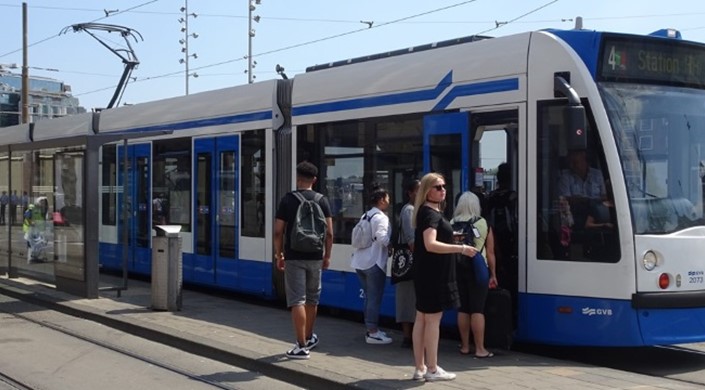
pixel 303 239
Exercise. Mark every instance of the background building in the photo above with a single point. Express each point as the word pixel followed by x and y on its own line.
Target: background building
pixel 48 98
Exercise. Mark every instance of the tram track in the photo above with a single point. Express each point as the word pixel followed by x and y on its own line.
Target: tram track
pixel 9 382
pixel 14 383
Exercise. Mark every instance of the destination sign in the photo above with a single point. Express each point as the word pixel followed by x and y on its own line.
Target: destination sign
pixel 670 62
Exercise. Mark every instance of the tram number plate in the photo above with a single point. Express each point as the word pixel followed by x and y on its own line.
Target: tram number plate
pixel 696 277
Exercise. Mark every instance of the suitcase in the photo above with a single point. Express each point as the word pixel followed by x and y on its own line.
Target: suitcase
pixel 499 327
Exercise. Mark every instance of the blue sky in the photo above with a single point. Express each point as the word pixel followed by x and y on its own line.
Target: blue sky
pixel 293 33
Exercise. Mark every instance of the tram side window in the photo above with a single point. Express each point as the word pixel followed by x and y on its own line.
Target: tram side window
pixel 171 185
pixel 576 218
pixel 354 156
pixel 252 183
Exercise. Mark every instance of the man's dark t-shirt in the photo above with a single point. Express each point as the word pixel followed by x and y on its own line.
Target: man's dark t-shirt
pixel 287 212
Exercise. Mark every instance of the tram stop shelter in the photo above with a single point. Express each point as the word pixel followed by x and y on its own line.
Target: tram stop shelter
pixel 50 198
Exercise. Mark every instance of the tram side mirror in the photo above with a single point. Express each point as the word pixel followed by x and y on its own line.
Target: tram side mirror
pixel 576 126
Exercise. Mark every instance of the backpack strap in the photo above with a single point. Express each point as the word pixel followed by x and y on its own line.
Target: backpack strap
pixel 368 218
pixel 302 198
pixel 469 224
pixel 488 234
pixel 298 196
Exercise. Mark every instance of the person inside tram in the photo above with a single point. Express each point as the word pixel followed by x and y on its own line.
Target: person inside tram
pixel 580 180
pixel 580 184
pixel 159 209
pixel 600 226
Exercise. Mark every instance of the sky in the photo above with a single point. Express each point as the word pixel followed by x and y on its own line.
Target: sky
pixel 294 34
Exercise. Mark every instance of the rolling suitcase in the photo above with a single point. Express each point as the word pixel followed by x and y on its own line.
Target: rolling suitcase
pixel 499 327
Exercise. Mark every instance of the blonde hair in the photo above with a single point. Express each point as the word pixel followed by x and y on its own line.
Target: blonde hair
pixel 427 182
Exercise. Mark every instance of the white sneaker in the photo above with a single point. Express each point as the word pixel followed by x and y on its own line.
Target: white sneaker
pixel 419 374
pixel 377 338
pixel 439 375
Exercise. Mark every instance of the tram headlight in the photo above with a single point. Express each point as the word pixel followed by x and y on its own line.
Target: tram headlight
pixel 650 260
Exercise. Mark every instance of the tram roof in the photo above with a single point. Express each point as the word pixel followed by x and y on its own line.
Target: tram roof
pixel 400 84
pixel 413 49
pixel 246 105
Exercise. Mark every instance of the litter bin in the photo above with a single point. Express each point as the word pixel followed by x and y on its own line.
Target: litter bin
pixel 167 278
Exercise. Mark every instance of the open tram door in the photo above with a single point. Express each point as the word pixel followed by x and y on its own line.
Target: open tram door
pixel 135 211
pixel 216 231
pixel 446 151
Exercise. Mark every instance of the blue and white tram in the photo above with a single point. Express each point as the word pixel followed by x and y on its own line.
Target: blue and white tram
pixel 629 105
pixel 638 282
pixel 209 176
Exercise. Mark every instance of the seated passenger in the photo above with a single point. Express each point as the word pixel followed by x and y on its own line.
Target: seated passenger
pixel 579 184
pixel 581 180
pixel 600 226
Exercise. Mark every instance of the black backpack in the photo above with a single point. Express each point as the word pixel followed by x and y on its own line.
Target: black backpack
pixel 308 232
pixel 501 217
pixel 466 228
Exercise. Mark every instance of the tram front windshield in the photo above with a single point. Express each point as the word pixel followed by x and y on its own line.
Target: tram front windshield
pixel 660 135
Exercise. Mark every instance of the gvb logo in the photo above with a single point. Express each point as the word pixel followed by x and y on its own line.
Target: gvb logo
pixel 591 311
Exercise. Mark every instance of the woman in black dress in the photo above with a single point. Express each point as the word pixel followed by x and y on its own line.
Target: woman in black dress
pixel 434 280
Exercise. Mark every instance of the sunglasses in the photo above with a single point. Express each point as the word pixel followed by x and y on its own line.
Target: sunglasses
pixel 440 187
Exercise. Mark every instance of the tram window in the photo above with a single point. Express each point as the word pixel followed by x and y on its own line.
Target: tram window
pixel 252 183
pixel 171 185
pixel 108 191
pixel 354 156
pixel 576 218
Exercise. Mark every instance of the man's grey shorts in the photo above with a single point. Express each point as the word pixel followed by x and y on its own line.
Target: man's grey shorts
pixel 302 280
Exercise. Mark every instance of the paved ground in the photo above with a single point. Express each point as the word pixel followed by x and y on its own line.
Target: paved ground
pixel 255 337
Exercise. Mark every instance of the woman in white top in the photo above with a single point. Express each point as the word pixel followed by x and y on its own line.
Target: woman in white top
pixel 371 265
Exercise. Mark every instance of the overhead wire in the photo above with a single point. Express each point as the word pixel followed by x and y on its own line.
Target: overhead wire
pixel 502 24
pixel 93 21
pixel 350 21
pixel 141 79
pixel 400 20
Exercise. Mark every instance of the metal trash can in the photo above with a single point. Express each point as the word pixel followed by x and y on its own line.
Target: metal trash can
pixel 167 265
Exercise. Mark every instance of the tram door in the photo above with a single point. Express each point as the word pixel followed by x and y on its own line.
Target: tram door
pixel 136 212
pixel 215 208
pixel 445 146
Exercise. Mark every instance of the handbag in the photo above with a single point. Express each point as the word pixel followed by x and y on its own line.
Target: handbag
pixel 402 261
pixel 482 271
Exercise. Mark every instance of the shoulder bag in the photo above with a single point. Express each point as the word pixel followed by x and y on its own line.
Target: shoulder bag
pixel 402 260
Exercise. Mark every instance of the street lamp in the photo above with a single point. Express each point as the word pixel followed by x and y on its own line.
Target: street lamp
pixel 250 35
pixel 184 41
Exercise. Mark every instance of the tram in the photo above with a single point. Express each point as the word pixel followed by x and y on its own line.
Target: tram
pixel 629 105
